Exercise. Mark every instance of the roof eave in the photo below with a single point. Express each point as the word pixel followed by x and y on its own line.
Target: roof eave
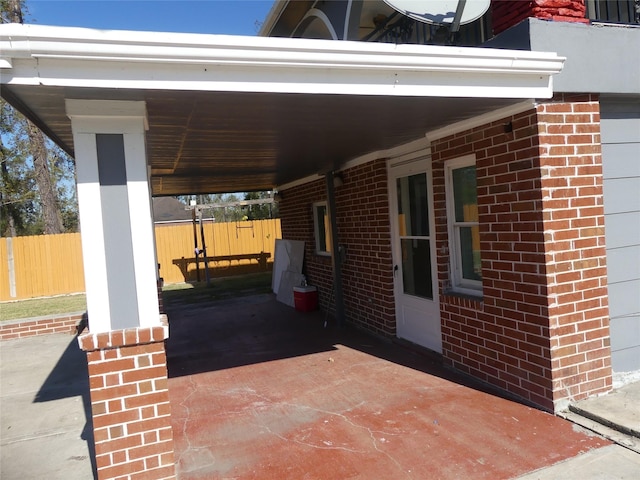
pixel 62 56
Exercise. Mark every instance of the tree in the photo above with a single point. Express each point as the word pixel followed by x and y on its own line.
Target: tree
pixel 12 11
pixel 37 192
pixel 262 211
pixel 17 190
pixel 227 208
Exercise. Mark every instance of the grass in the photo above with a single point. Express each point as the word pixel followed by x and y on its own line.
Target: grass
pixel 177 294
pixel 38 307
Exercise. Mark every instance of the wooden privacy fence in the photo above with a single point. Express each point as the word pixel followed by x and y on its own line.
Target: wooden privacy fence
pixel 229 246
pixel 40 266
pixel 48 265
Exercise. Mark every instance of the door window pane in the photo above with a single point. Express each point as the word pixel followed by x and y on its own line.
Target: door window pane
pixel 413 214
pixel 416 268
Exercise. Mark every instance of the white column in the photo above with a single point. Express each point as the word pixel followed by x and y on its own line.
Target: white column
pixel 115 214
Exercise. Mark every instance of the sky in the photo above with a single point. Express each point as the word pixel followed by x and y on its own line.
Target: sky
pixel 229 17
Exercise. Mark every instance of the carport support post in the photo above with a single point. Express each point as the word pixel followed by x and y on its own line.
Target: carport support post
pixel 125 339
pixel 334 248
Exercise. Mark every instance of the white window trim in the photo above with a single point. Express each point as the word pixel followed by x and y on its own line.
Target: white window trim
pixel 458 284
pixel 316 228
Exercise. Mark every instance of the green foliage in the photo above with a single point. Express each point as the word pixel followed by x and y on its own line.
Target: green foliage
pixel 19 199
pixel 13 11
pixel 260 212
pixel 20 202
pixel 233 213
pixel 17 187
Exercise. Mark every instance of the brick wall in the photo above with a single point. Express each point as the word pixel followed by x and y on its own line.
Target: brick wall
pixel 130 403
pixel 571 167
pixel 505 14
pixel 362 205
pixel 541 324
pixel 40 326
pixel 363 227
pixel 502 338
pixel 296 220
pixel 540 330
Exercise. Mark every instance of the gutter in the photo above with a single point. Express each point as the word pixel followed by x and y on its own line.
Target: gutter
pixel 66 43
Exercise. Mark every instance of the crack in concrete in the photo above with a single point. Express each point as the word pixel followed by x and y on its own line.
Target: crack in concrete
pixel 372 433
pixel 264 402
pixel 185 435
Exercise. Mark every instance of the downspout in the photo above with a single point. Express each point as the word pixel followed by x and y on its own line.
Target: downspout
pixel 335 249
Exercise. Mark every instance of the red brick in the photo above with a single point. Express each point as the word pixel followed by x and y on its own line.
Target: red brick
pixel 152 424
pixel 100 434
pixel 115 418
pixel 144 400
pixel 119 457
pixel 150 437
pixel 141 374
pixel 113 392
pixel 149 450
pixel 122 469
pixel 110 366
pixel 165 473
pixel 103 461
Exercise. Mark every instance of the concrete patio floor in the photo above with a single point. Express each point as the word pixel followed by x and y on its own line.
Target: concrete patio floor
pixel 260 391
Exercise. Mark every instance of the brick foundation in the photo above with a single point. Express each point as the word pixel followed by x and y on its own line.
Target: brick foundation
pixel 40 326
pixel 130 403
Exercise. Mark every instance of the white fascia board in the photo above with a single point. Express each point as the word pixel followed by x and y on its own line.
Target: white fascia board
pixel 65 56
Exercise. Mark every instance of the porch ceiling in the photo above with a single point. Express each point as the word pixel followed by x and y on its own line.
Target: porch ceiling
pixel 203 142
pixel 243 113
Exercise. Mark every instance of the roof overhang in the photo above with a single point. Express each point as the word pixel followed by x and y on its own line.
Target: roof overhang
pixel 232 113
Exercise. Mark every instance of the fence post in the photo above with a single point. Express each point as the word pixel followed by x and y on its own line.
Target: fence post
pixel 11 268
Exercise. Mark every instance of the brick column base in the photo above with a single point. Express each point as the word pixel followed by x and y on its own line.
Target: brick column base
pixel 130 403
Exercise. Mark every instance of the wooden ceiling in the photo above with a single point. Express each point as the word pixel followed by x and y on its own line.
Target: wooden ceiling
pixel 207 142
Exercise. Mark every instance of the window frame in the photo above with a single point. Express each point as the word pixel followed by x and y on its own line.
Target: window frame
pixel 458 283
pixel 326 230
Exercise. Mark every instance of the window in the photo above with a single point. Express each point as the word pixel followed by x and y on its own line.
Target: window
pixel 322 228
pixel 464 231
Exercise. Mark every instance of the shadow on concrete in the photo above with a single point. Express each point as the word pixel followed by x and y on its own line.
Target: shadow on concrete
pixel 260 390
pixel 255 329
pixel 239 331
pixel 222 266
pixel 70 378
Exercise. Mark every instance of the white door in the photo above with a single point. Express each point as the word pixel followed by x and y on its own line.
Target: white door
pixel 414 260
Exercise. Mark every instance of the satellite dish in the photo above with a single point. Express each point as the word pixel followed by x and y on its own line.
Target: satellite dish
pixel 441 12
